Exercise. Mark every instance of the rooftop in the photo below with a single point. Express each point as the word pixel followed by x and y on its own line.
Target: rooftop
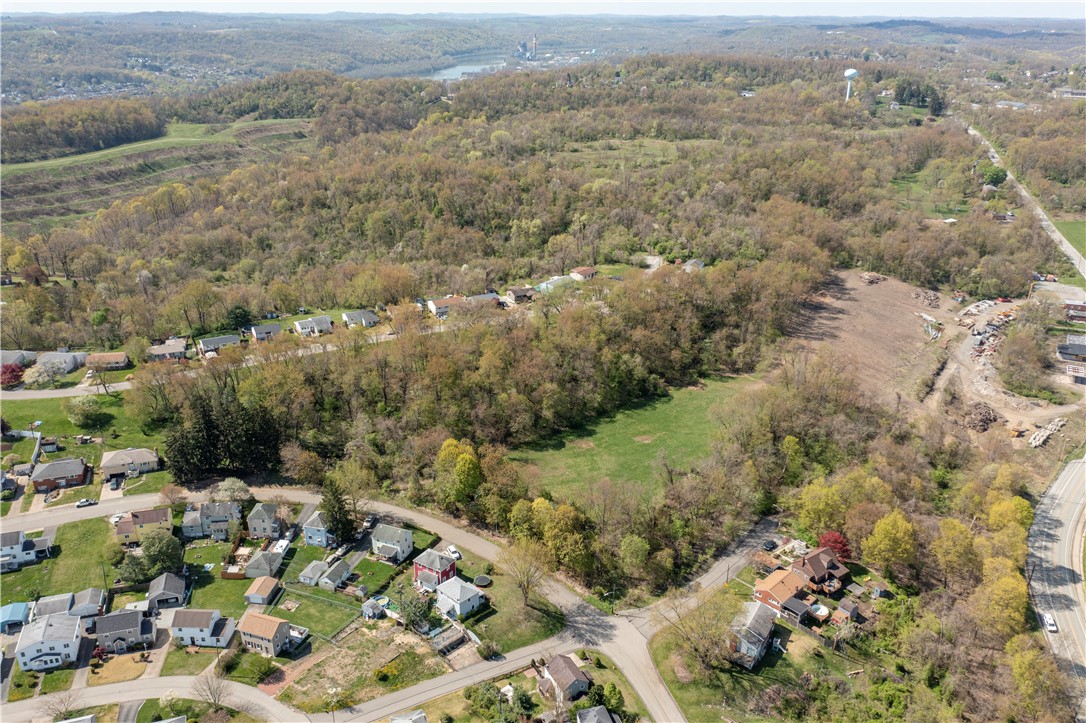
pixel 262 586
pixel 260 625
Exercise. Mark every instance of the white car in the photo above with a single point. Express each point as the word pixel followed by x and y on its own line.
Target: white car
pixel 453 552
pixel 117 518
pixel 1050 623
pixel 86 502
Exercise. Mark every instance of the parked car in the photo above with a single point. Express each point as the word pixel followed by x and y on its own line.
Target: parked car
pixel 86 502
pixel 1050 623
pixel 117 518
pixel 453 552
pixel 343 550
pixel 371 520
pixel 769 545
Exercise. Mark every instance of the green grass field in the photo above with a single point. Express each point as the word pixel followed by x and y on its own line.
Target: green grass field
pixel 1074 232
pixel 626 446
pixel 78 563
pixel 177 135
pixel 211 591
pixel 54 681
pixel 322 616
pixel 181 662
pixel 120 432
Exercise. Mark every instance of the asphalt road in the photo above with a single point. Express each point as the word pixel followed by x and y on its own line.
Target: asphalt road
pixel 1056 574
pixel 623 637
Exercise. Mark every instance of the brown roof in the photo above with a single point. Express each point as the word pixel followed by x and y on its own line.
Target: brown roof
pixel 193 618
pixel 262 586
pixel 781 584
pixel 818 563
pixel 260 625
pixel 125 527
pixel 151 517
pixel 564 671
pixel 584 270
pixel 112 357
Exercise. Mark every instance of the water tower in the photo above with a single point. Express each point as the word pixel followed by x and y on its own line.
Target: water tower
pixel 849 75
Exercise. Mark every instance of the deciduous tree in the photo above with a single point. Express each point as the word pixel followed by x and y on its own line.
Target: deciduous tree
pixel 525 562
pixel 892 542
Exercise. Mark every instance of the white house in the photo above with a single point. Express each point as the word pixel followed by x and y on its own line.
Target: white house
pixel 391 543
pixel 583 273
pixel 316 531
pixel 48 642
pixel 88 603
pixel 456 598
pixel 16 550
pixel 441 307
pixel 314 326
pixel 211 520
pixel 214 343
pixel 169 349
pixel 264 521
pixel 123 462
pixel 263 332
pixel 53 605
pixel 207 628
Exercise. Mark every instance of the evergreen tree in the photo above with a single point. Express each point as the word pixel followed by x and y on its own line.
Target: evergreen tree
pixel 336 512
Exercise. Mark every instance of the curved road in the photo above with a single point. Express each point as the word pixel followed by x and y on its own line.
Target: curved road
pixel 1056 570
pixel 623 637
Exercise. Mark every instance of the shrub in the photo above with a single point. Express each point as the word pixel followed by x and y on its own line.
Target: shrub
pixel 487 650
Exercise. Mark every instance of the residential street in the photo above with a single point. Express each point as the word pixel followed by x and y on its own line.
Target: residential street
pixel 1055 568
pixel 623 637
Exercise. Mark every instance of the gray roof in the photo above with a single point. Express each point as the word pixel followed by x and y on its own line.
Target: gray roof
pixel 599 714
pixel 266 558
pixel 170 346
pixel 68 359
pixel 263 511
pixel 214 341
pixel 51 627
pixel 457 590
pixel 90 596
pixel 337 572
pixel 220 509
pixel 10 538
pixel 267 328
pixel 17 356
pixel 193 618
pixel 53 604
pixel 358 317
pixel 564 671
pixel 118 621
pixel 316 521
pixel 754 623
pixel 60 468
pixel 314 569
pixel 434 560
pixel 388 534
pixel 167 582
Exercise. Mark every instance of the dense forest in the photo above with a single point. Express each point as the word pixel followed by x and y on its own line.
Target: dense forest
pixel 35 131
pixel 419 192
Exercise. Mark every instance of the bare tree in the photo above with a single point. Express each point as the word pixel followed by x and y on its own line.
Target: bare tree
pixel 525 562
pixel 211 688
pixel 60 706
pixel 173 495
pixel 703 625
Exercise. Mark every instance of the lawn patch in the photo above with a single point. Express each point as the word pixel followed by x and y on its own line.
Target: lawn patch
pixel 118 669
pixel 322 616
pixel 179 661
pixel 190 709
pixel 54 681
pixel 374 574
pixel 78 562
pixel 1074 232
pixel 210 591
pixel 24 684
pixel 148 483
pixel 626 446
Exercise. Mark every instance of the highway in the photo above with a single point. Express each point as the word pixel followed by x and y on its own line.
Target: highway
pixel 1056 571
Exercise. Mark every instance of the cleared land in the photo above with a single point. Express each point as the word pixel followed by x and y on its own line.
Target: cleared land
pixel 78 562
pixel 59 189
pixel 627 446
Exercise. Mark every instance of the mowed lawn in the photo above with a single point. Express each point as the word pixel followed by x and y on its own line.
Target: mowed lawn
pixel 1074 232
pixel 78 563
pixel 210 591
pixel 626 446
pixel 20 413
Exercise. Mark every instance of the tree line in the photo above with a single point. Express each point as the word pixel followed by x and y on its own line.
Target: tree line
pixel 34 131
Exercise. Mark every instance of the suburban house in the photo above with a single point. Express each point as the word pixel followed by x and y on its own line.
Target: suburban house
pixel 166 591
pixel 583 273
pixel 68 361
pixel 390 543
pixel 778 588
pixel 211 520
pixel 207 628
pixel 751 630
pixel 316 531
pixel 169 349
pixel 312 573
pixel 334 575
pixel 314 326
pixel 264 634
pixel 88 603
pixel 562 680
pixel 432 568
pixel 262 591
pixel 53 605
pixel 441 307
pixel 693 265
pixel 48 642
pixel 107 361
pixel 62 473
pixel 263 332
pixel 598 714
pixel 520 295
pixel 263 521
pixel 124 629
pixel 18 356
pixel 371 610
pixel 14 615
pixel 128 462
pixel 365 318
pixel 821 570
pixel 16 550
pixel 553 283
pixel 264 564
pixel 214 343
pixel 456 598
pixel 140 522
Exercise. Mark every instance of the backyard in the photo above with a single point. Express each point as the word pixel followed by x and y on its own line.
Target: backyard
pixel 78 562
pixel 322 616
pixel 627 446
pixel 209 590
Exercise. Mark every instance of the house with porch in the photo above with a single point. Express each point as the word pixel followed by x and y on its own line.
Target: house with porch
pixel 124 629
pixel 62 473
pixel 48 642
pixel 562 681
pixel 393 544
pixel 212 520
pixel 751 631
pixel 821 570
pixel 207 628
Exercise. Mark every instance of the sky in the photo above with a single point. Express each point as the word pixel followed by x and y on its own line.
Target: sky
pixel 891 8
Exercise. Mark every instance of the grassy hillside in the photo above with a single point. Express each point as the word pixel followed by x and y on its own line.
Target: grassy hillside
pixel 627 446
pixel 60 189
pixel 1074 232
